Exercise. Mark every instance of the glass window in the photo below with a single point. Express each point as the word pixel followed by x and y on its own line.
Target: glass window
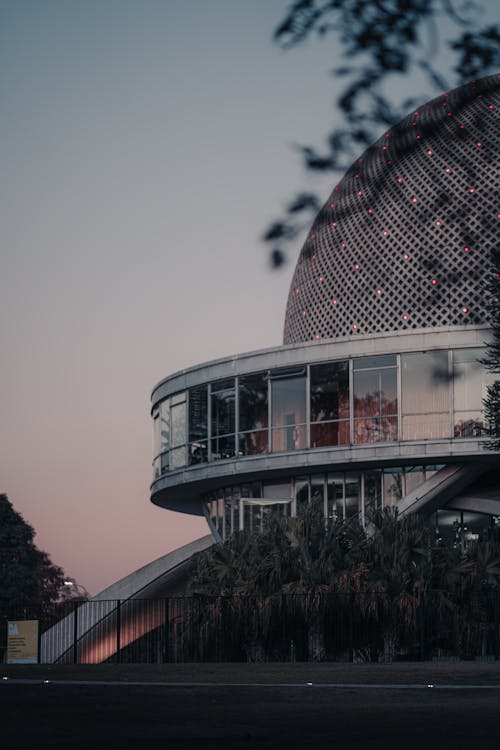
pixel 352 495
pixel 276 499
pixel 198 425
pixel 178 425
pixel 318 491
pixel 335 497
pixel 178 433
pixel 253 414
pixel 375 400
pixel 223 419
pixel 372 493
pixel 392 487
pixel 288 396
pixel 470 381
pixel 425 386
pixel 330 404
pixel 164 425
pixel 156 432
pixel 414 477
pixel 301 493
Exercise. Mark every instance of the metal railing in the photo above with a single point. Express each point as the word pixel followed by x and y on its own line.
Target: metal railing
pixel 286 627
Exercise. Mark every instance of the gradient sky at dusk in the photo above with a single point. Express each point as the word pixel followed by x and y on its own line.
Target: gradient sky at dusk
pixel 146 144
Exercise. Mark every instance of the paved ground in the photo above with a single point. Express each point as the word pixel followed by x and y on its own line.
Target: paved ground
pixel 252 706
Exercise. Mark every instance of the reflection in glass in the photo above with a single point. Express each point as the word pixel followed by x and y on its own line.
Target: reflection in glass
pixel 178 425
pixel 470 381
pixel 372 493
pixel 177 458
pixel 223 419
pixel 330 404
pixel 414 477
pixel 352 494
pixel 317 491
pixel 198 425
pixel 335 496
pixel 253 419
pixel 392 486
pixel 425 386
pixel 288 413
pixel 301 493
pixel 164 425
pixel 375 403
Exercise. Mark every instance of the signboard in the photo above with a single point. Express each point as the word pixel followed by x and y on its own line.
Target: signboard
pixel 22 642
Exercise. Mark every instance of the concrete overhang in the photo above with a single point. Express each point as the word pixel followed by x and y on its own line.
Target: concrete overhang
pixel 180 490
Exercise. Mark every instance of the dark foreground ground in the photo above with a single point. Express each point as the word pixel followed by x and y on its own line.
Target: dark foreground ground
pixel 252 706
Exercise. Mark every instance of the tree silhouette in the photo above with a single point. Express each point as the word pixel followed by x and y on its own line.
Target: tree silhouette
pixel 382 43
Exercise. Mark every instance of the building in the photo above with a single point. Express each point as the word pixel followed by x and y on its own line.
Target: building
pixel 375 397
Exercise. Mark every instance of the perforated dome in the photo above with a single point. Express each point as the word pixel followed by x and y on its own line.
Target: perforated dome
pixel 404 241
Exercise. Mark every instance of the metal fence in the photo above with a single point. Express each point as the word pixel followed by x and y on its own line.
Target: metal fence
pixel 288 627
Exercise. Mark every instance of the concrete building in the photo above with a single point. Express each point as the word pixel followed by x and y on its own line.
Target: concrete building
pixel 375 397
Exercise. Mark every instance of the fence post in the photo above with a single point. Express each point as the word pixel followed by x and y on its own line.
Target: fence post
pixel 75 634
pixel 421 621
pixel 118 632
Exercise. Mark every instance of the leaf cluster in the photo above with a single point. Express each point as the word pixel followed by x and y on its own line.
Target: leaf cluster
pixel 377 40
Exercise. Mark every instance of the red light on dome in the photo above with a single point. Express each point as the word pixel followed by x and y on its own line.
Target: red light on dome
pixel 343 244
pixel 419 137
pixel 317 336
pixel 479 144
pixel 414 123
pixel 414 200
pixel 360 161
pixel 332 205
pixel 334 223
pixel 400 180
pixel 472 190
pixel 312 236
pixel 447 170
pixel 498 216
pixel 466 249
pixel 450 114
pixel 370 210
pixel 297 290
pixel 360 193
pixel 465 309
pixel 490 106
pixel 406 256
pixel 385 232
pixel 334 301
pixel 357 176
pixel 314 257
pixel 321 278
pixel 355 326
pixel 434 282
pixel 438 223
pixel 462 127
pixel 304 313
pixel 379 291
pixel 357 266
pixel 389 162
pixel 405 317
pixel 429 152
pixel 384 148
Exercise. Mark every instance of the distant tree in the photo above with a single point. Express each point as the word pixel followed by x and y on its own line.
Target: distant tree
pixel 492 359
pixel 28 577
pixel 380 43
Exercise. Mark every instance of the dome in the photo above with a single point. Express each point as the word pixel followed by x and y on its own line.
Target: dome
pixel 404 240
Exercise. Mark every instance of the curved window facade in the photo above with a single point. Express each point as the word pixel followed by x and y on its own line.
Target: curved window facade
pixel 341 495
pixel 372 399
